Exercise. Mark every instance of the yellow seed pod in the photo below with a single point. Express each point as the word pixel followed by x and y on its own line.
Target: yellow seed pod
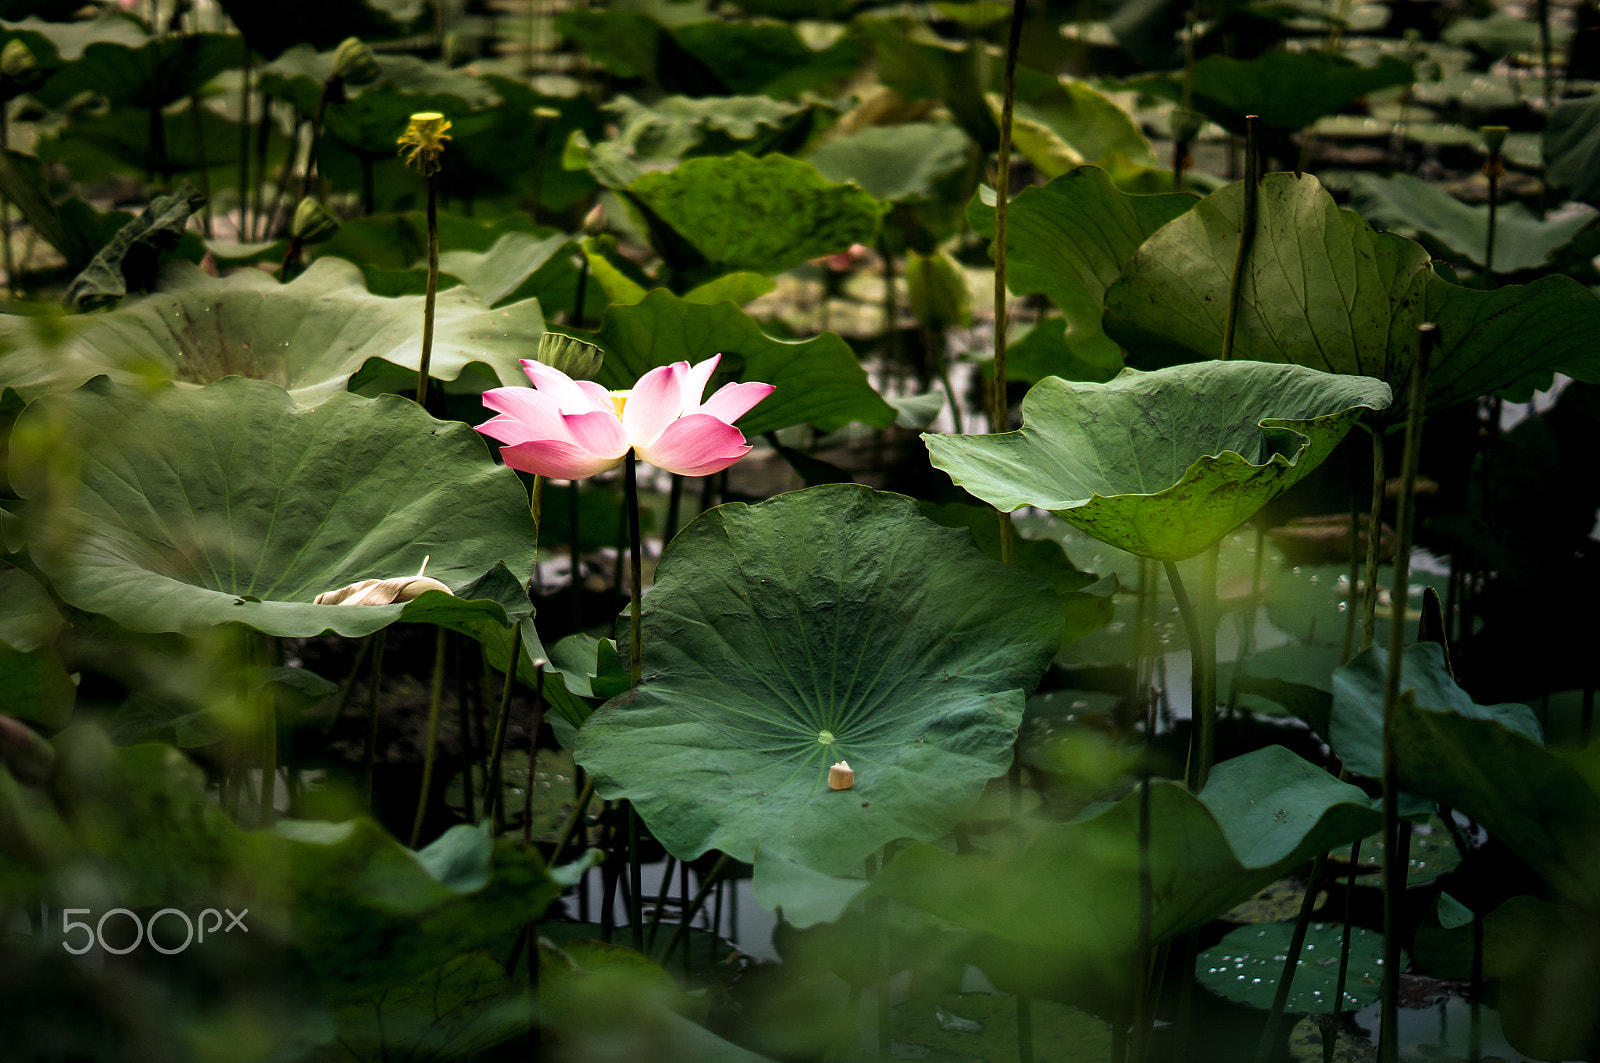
pixel 422 143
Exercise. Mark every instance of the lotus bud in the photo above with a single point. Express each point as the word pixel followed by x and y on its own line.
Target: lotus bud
pixel 313 222
pixel 1186 125
pixel 594 222
pixel 17 61
pixel 384 591
pixel 354 63
pixel 840 777
pixel 422 143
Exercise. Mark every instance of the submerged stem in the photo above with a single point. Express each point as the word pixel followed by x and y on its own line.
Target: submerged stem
pixel 1394 857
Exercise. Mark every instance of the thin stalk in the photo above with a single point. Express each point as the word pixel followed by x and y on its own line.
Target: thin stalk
pixel 257 187
pixel 1352 601
pixel 535 723
pixel 1139 1039
pixel 661 899
pixel 1493 167
pixel 1247 233
pixel 329 87
pixel 706 885
pixel 1266 1048
pixel 998 419
pixel 877 912
pixel 1208 658
pixel 1330 1033
pixel 463 722
pixel 1475 1028
pixel 674 506
pixel 433 287
pixel 1369 596
pixel 1394 863
pixel 204 171
pixel 492 783
pixel 1202 687
pixel 636 637
pixel 1542 7
pixel 12 288
pixel 269 741
pixel 635 881
pixel 579 809
pixel 577 557
pixel 244 141
pixel 374 685
pixel 435 700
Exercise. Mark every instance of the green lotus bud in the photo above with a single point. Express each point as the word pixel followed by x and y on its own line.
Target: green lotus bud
pixel 16 60
pixel 1186 125
pixel 313 223
pixel 1494 137
pixel 354 63
pixel 938 287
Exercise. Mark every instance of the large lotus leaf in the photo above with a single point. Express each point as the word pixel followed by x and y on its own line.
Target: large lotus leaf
pixel 193 140
pixel 1487 761
pixel 818 381
pixel 1547 958
pixel 1287 90
pixel 1522 240
pixel 677 126
pixel 1070 240
pixel 764 215
pixel 309 336
pixel 34 683
pixel 400 241
pixel 519 266
pixel 1063 123
pixel 1073 894
pixel 231 503
pixel 131 257
pixel 917 63
pixel 368 913
pixel 771 651
pixel 1324 290
pixel 299 75
pixel 1571 147
pixel 1162 464
pixel 54 44
pixel 892 163
pixel 156 73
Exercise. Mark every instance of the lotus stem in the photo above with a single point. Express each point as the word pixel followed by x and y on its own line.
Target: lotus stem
pixel 1475 988
pixel 1247 233
pixel 535 724
pixel 661 899
pixel 244 141
pixel 1494 167
pixel 464 722
pixel 269 738
pixel 1369 595
pixel 1330 1033
pixel 635 881
pixel 432 293
pixel 1139 1039
pixel 636 637
pixel 580 808
pixel 12 288
pixel 577 556
pixel 1202 685
pixel 435 700
pixel 1394 862
pixel 1266 1048
pixel 492 783
pixel 695 905
pixel 374 685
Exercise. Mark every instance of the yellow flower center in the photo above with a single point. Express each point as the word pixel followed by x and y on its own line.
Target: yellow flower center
pixel 619 399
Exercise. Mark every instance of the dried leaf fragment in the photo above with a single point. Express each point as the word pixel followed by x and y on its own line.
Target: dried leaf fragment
pixel 383 591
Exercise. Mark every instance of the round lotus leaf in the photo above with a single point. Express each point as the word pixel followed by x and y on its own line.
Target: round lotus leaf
pixel 230 503
pixel 309 336
pixel 829 624
pixel 1162 464
pixel 1246 964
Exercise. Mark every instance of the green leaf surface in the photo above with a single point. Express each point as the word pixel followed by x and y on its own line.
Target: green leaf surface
pixel 983 1026
pixel 155 73
pixel 893 163
pixel 1523 241
pixel 764 56
pixel 1247 964
pixel 764 215
pixel 1065 123
pixel 1288 90
pixel 309 336
pixel 1072 898
pixel 1161 464
pixel 519 266
pixel 1070 240
pixel 818 380
pixel 1326 291
pixel 456 1011
pixel 772 652
pixel 1486 761
pixel 368 913
pixel 676 126
pixel 131 257
pixel 231 503
pixel 1571 147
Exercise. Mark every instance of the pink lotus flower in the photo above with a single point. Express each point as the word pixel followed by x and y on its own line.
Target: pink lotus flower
pixel 569 429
